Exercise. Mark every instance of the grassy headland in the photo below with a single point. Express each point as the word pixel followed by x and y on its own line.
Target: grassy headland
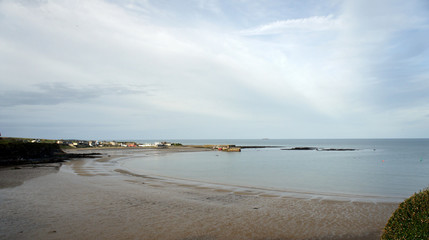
pixel 17 151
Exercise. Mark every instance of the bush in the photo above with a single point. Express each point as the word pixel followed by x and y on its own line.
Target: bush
pixel 410 220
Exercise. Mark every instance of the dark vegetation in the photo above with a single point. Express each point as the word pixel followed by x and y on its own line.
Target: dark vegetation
pixel 410 220
pixel 5 140
pixel 17 152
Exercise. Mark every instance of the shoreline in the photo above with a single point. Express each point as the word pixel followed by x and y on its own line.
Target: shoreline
pixel 92 198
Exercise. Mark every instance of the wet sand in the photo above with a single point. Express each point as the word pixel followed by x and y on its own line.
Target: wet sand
pixel 95 199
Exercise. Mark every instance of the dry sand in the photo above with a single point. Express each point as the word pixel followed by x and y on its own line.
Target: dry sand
pixel 94 199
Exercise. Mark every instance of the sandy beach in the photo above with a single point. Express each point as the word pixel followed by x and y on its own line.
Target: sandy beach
pixel 95 199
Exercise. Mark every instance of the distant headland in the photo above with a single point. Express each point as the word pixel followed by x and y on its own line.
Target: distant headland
pixel 18 151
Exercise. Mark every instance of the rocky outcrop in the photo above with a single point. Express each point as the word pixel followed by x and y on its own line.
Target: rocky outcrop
pixel 301 148
pixel 320 149
pixel 337 149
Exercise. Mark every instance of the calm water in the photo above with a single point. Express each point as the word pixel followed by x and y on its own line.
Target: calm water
pixel 386 168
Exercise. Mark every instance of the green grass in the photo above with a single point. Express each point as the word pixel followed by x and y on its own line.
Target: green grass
pixel 6 140
pixel 410 220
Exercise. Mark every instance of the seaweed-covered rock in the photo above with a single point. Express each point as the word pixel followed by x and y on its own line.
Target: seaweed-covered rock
pixel 301 148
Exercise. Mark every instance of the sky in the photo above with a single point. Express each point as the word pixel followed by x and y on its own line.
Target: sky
pixel 214 69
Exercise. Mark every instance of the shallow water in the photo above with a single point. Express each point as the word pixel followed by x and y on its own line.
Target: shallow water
pixel 386 169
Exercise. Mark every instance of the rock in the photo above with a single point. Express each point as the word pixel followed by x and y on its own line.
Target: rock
pixel 301 148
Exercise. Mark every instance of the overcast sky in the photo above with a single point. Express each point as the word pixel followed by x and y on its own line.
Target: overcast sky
pixel 166 69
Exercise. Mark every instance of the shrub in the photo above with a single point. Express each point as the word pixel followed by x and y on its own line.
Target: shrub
pixel 411 219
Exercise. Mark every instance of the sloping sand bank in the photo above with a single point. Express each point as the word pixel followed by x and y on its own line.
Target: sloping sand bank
pixel 93 199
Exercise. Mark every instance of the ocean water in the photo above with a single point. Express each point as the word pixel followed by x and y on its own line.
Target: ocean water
pixel 386 169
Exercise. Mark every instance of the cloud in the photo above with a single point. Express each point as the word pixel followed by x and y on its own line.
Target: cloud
pixel 384 47
pixel 54 93
pixel 316 23
pixel 277 67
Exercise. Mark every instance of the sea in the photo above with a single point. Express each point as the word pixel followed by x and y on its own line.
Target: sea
pixel 387 170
